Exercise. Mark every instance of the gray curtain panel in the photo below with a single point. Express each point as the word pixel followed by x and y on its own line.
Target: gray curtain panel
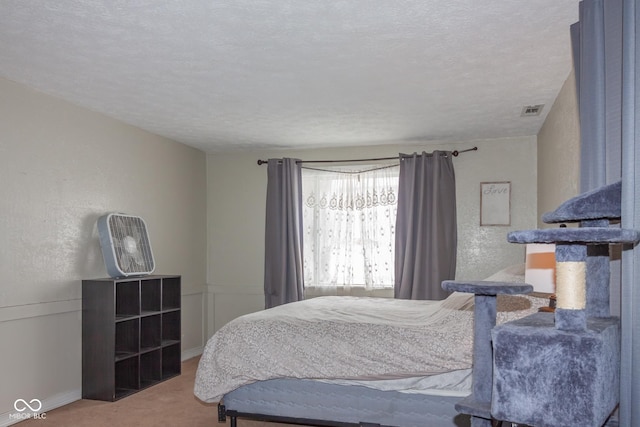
pixel 426 228
pixel 283 274
pixel 630 292
pixel 597 51
pixel 607 61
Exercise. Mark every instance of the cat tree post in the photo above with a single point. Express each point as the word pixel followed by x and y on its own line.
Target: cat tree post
pixel 478 404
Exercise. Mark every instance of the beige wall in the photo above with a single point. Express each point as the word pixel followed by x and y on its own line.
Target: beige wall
pixel 236 189
pixel 559 152
pixel 61 167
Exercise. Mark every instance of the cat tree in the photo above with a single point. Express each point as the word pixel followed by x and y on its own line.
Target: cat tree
pixel 560 368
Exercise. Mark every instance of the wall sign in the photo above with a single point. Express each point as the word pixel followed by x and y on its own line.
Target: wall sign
pixel 495 203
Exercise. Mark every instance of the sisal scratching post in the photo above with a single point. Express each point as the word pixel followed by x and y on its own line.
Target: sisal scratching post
pixel 571 287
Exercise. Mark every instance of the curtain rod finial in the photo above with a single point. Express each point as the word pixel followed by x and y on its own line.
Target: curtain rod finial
pixel 455 153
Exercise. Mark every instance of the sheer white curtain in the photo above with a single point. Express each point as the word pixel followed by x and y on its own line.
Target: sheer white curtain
pixel 349 226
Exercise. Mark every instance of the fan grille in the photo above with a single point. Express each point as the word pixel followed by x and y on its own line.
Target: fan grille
pixel 131 244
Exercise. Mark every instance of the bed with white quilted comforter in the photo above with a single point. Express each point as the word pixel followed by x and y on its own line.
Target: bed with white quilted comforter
pixel 384 344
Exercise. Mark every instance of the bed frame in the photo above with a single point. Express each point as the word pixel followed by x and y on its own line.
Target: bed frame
pixel 234 415
pixel 314 403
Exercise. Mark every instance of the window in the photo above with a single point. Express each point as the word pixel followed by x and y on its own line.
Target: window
pixel 349 226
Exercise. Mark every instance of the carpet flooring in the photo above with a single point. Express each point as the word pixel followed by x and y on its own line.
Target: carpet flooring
pixel 170 403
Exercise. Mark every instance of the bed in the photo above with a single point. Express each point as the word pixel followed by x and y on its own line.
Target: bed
pixel 350 361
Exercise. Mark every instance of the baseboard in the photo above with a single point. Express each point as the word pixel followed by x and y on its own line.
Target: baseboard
pixel 53 402
pixel 191 353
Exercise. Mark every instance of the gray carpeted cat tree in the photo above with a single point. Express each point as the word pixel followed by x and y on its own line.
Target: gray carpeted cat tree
pixel 561 368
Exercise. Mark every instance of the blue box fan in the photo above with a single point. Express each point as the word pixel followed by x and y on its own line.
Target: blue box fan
pixel 125 245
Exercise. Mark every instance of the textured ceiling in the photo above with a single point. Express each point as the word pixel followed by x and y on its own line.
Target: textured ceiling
pixel 239 74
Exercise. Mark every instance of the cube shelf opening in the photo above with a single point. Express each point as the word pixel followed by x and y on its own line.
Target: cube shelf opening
pixel 127 338
pixel 150 368
pixel 127 299
pixel 150 332
pixel 170 327
pixel 126 373
pixel 171 361
pixel 150 295
pixel 170 293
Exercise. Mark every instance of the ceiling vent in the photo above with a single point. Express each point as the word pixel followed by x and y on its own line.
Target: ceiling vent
pixel 531 110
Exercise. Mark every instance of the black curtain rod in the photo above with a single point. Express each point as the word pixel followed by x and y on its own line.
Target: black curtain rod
pixel 454 153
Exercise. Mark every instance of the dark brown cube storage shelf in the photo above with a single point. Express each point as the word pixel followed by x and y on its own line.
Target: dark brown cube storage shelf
pixel 130 334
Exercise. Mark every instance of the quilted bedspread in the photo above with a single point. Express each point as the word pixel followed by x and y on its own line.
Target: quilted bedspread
pixel 344 338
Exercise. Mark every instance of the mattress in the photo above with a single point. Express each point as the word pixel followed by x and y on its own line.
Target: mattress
pixel 319 339
pixel 453 383
pixel 316 400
